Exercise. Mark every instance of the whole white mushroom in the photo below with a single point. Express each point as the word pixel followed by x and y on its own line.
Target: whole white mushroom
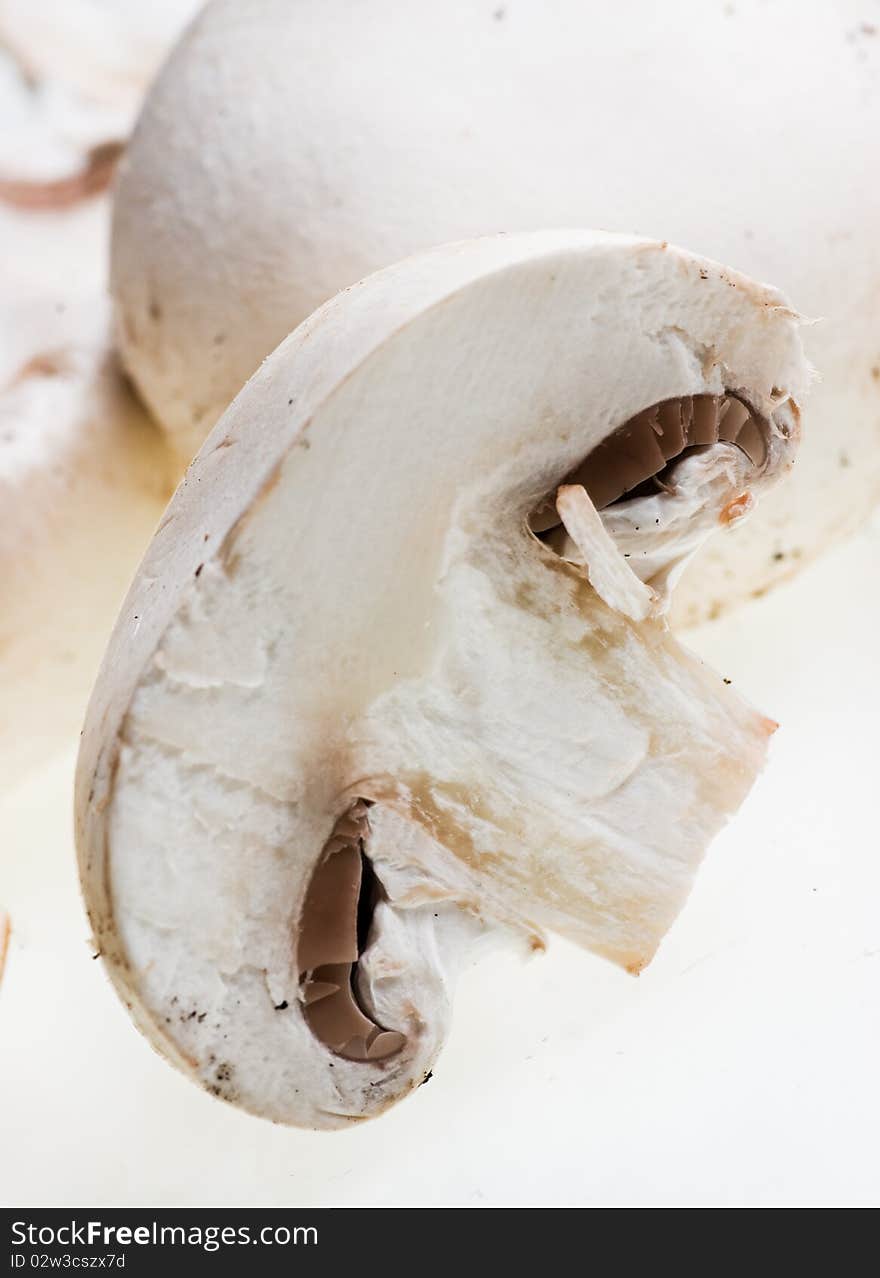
pixel 290 147
pixel 394 679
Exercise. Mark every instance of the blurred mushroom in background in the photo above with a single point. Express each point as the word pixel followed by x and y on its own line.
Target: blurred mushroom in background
pixel 83 472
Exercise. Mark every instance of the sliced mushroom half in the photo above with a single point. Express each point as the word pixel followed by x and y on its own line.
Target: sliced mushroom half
pixel 356 718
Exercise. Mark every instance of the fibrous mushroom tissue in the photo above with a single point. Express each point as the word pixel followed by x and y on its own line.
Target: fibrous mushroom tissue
pixel 395 681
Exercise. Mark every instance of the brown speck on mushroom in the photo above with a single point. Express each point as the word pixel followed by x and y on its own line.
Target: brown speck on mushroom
pixel 46 364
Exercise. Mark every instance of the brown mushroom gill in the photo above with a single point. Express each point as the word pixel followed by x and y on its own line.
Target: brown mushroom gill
pixel 334 925
pixel 639 457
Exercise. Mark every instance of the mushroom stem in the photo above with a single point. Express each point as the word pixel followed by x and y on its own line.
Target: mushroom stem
pixel 610 575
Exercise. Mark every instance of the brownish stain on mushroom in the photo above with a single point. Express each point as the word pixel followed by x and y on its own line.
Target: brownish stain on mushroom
pixel 5 933
pixel 46 364
pixel 32 195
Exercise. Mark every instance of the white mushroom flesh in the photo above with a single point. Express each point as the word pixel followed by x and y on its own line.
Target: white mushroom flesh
pixel 351 648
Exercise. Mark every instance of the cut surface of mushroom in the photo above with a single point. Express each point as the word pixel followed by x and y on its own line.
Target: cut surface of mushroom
pixel 357 722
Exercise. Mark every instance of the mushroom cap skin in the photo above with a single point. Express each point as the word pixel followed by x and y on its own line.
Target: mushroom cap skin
pixel 287 150
pixel 345 639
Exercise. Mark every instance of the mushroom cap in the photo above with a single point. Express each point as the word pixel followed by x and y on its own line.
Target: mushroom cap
pixel 288 150
pixel 345 638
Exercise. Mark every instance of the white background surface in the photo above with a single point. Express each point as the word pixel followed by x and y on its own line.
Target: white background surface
pixel 741 1068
